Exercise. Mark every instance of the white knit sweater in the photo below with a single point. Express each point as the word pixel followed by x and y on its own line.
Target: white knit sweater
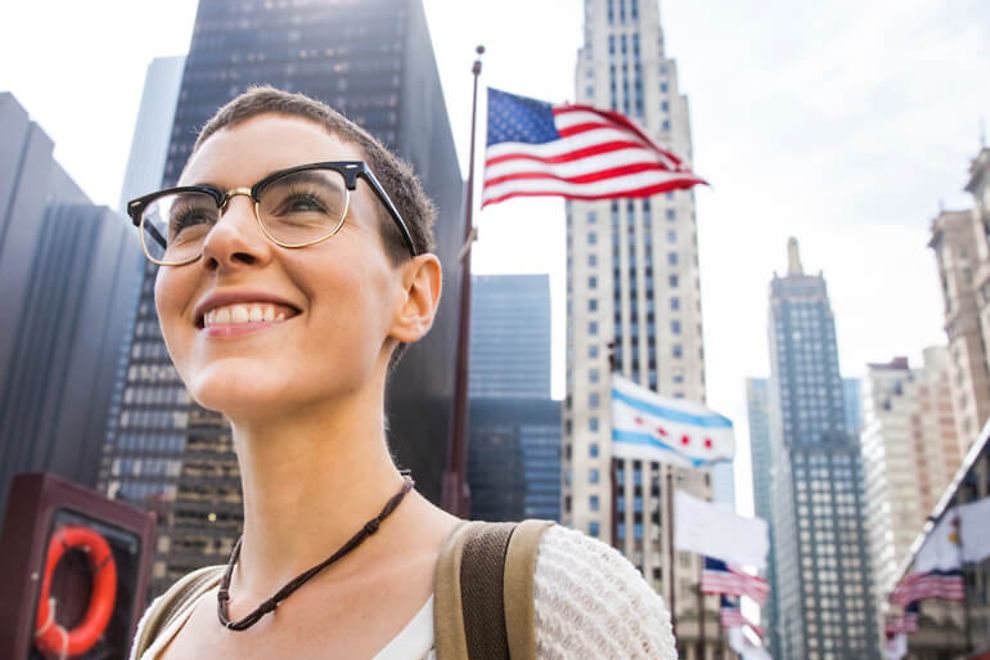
pixel 590 602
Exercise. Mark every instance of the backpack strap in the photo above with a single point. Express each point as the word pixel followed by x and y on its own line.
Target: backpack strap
pixel 483 591
pixel 172 604
pixel 520 567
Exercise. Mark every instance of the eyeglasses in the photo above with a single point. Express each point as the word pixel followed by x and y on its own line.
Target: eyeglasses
pixel 295 208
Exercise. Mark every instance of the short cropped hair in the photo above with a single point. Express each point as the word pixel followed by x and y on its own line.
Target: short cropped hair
pixel 395 175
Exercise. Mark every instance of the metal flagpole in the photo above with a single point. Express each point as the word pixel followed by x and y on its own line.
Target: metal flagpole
pixel 456 498
pixel 701 615
pixel 670 541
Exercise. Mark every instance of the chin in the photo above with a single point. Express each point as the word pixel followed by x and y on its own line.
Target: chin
pixel 236 392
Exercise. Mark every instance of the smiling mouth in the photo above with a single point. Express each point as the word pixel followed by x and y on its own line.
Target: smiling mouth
pixel 244 314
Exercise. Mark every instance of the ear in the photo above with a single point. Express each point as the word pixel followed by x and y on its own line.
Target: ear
pixel 422 279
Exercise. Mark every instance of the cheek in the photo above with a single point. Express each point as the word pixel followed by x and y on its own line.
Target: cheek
pixel 171 292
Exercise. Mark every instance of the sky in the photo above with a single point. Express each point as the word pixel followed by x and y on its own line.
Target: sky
pixel 846 124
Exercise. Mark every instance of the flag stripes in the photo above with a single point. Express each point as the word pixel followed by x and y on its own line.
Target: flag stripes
pixel 946 585
pixel 574 151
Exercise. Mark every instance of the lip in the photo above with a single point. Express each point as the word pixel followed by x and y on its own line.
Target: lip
pixel 221 298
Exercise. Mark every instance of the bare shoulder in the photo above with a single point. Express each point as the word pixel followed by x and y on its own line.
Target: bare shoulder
pixel 592 602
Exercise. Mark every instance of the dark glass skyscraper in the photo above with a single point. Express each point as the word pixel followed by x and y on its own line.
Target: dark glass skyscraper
pixel 824 607
pixel 514 447
pixel 510 336
pixel 67 283
pixel 372 60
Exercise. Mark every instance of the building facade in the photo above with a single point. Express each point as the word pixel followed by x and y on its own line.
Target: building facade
pixel 514 441
pixel 373 61
pixel 66 287
pixel 634 306
pixel 510 337
pixel 514 459
pixel 958 247
pixel 910 454
pixel 761 448
pixel 822 587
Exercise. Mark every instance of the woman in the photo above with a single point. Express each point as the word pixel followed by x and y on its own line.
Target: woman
pixel 290 279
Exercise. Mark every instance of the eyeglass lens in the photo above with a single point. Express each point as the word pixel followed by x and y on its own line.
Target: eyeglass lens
pixel 295 210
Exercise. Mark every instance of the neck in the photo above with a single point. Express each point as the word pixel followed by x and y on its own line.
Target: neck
pixel 310 481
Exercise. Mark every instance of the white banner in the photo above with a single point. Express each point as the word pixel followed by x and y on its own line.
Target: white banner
pixel 974 528
pixel 712 530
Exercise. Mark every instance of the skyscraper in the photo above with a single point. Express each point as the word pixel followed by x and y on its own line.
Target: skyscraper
pixel 510 337
pixel 956 242
pixel 153 129
pixel 514 445
pixel 66 288
pixel 633 299
pixel 761 450
pixel 910 454
pixel 823 597
pixel 372 60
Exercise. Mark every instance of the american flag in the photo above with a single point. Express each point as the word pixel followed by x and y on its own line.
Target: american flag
pixel 907 622
pixel 721 578
pixel 947 585
pixel 573 151
pixel 732 616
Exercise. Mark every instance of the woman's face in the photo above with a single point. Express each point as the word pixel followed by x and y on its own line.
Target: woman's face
pixel 254 328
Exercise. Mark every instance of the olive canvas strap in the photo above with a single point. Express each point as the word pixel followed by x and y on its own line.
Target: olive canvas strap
pixel 483 591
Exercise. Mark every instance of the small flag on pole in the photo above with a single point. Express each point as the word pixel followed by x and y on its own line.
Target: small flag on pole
pixel 732 616
pixel 718 577
pixel 713 530
pixel 535 148
pixel 647 426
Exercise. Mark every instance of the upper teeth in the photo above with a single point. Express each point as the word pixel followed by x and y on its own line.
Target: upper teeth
pixel 244 313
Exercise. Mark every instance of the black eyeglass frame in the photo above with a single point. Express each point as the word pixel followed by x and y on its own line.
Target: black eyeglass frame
pixel 349 169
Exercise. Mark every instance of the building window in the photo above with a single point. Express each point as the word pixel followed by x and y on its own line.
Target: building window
pixel 675 303
pixel 672 258
pixel 592 238
pixel 671 236
pixel 592 282
pixel 675 327
pixel 593 304
pixel 593 400
pixel 677 350
pixel 593 375
pixel 672 280
pixel 592 351
pixel 593 503
pixel 593 529
pixel 593 447
pixel 593 476
pixel 593 327
pixel 592 260
pixel 592 423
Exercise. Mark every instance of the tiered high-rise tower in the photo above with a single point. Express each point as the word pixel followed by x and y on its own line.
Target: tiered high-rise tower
pixel 823 596
pixel 634 304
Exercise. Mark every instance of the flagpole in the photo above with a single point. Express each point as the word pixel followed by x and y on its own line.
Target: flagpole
pixel 456 498
pixel 701 617
pixel 670 541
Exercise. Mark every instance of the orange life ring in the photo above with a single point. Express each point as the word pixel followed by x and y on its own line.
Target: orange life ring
pixel 54 638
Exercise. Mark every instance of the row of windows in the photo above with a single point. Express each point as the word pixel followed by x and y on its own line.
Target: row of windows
pixel 160 419
pixel 151 443
pixel 156 395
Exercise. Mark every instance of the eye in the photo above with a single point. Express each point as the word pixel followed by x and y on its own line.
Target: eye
pixel 184 216
pixel 304 202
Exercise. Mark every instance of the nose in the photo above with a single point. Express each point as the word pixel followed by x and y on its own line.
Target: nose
pixel 236 240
